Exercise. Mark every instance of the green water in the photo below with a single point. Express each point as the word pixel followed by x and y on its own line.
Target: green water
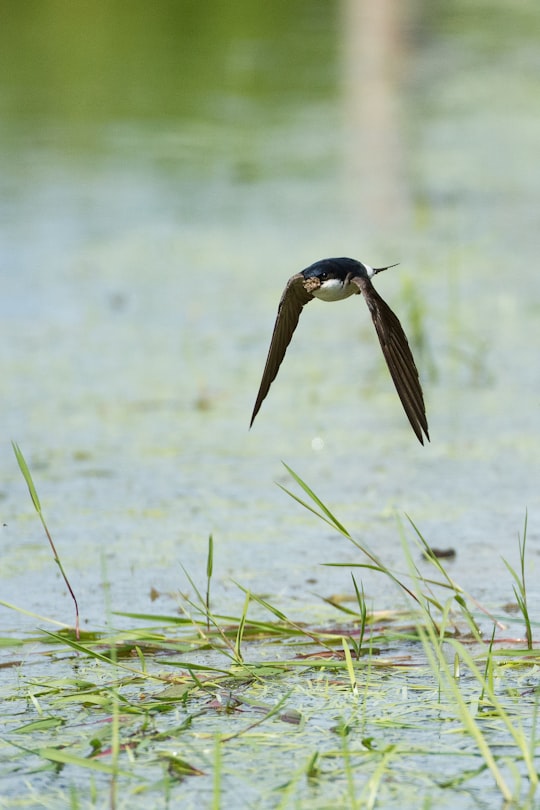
pixel 163 170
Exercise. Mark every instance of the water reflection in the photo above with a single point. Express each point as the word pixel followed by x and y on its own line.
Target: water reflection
pixel 374 82
pixel 83 68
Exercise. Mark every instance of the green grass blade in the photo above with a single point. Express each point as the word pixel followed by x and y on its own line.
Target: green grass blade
pixel 333 520
pixel 64 757
pixel 240 630
pixel 23 466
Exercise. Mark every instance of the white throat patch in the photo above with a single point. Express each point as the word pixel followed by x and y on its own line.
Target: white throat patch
pixel 333 289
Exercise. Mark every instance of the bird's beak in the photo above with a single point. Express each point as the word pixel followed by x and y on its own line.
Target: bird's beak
pixel 380 269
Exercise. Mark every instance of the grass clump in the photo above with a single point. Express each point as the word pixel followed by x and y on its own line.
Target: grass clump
pixel 202 706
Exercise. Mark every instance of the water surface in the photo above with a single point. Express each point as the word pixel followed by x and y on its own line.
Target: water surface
pixel 162 177
pixel 162 174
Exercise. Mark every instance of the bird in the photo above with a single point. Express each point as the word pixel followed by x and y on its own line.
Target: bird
pixel 335 280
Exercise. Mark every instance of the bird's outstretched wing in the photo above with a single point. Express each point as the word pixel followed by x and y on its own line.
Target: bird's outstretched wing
pixel 398 357
pixel 294 298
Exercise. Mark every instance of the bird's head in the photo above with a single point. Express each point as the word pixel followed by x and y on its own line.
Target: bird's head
pixel 329 279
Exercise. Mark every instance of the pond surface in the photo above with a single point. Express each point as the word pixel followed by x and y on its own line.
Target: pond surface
pixel 163 172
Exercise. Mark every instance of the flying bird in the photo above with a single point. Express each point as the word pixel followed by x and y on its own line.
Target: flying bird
pixel 334 280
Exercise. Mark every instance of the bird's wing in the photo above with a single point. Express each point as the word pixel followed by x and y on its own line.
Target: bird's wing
pixel 398 357
pixel 294 298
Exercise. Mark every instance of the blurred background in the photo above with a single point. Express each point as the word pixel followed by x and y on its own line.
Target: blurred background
pixel 164 169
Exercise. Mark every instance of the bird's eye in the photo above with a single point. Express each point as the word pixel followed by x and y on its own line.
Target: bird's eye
pixel 324 276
